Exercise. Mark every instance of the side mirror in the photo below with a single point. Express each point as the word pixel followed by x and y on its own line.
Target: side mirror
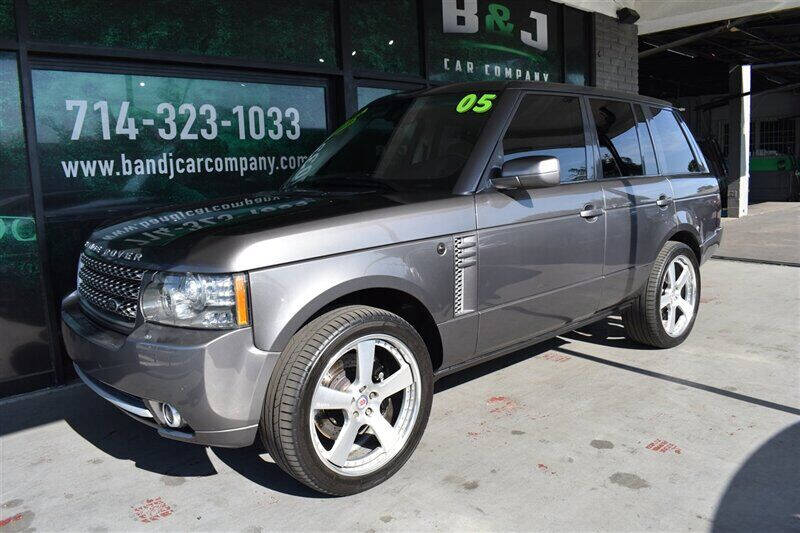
pixel 529 172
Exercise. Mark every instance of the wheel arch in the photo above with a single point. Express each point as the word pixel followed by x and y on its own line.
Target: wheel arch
pixel 392 294
pixel 689 236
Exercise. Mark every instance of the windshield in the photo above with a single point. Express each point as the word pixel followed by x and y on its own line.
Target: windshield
pixel 398 144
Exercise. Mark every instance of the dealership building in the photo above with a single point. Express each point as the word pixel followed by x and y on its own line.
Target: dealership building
pixel 112 107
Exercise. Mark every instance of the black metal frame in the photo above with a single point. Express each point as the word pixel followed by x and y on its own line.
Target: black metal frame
pixel 341 83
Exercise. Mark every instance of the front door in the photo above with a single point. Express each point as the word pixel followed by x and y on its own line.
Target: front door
pixel 540 251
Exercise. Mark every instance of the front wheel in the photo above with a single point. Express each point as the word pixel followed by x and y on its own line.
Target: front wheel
pixel 348 400
pixel 664 314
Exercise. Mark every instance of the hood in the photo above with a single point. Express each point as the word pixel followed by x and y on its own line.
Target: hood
pixel 262 230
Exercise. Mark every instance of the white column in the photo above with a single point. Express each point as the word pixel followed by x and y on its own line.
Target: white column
pixel 739 142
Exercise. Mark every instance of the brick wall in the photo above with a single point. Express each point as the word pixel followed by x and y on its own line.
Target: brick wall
pixel 616 54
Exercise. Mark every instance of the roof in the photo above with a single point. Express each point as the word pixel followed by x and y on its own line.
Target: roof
pixel 485 86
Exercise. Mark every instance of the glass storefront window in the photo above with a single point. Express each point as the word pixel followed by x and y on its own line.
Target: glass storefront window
pixel 7 27
pixel 576 46
pixel 385 35
pixel 113 144
pixel 24 350
pixel 366 95
pixel 301 31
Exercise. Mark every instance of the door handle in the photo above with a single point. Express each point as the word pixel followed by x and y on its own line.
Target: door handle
pixel 589 211
pixel 663 201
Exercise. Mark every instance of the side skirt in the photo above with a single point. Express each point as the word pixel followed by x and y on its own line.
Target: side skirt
pixel 600 315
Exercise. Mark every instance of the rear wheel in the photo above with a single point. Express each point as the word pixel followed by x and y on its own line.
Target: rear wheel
pixel 348 400
pixel 664 314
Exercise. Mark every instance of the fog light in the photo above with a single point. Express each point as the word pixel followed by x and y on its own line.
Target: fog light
pixel 171 416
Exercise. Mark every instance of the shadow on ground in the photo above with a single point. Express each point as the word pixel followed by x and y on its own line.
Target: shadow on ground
pixel 119 436
pixel 107 429
pixel 493 365
pixel 608 332
pixel 764 495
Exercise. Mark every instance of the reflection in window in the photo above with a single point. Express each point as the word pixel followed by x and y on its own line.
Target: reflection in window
pixel 549 126
pixel 24 349
pixel 366 95
pixel 576 46
pixel 300 31
pixel 674 154
pixel 7 28
pixel 616 135
pixel 385 36
pixel 399 144
pixel 646 142
pixel 113 144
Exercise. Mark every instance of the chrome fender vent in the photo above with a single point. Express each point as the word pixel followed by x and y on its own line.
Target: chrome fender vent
pixel 465 259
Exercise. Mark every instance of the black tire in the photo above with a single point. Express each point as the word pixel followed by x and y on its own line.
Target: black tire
pixel 284 426
pixel 642 320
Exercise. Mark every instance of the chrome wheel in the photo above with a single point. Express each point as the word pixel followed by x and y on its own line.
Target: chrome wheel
pixel 678 294
pixel 365 405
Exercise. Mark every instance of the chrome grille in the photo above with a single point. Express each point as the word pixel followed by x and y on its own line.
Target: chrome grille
pixel 111 289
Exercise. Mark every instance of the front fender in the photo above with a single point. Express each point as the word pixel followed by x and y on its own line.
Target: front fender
pixel 285 297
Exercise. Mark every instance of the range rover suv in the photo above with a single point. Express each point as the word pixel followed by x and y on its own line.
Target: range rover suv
pixel 430 232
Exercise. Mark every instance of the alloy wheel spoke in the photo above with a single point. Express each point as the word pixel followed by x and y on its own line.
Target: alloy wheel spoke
pixel 665 301
pixel 341 448
pixel 682 279
pixel 685 307
pixel 384 431
pixel 327 398
pixel 398 381
pixel 671 318
pixel 671 275
pixel 366 359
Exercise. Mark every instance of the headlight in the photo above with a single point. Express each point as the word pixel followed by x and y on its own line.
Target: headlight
pixel 214 301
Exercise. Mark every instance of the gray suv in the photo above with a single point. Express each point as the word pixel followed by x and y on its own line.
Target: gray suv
pixel 432 231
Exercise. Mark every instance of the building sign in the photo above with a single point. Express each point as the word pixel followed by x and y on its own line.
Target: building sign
pixel 485 40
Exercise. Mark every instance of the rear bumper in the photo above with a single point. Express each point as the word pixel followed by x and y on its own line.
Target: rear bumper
pixel 711 246
pixel 216 379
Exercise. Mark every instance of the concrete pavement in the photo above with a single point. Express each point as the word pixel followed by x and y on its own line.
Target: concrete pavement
pixel 587 432
pixel 770 232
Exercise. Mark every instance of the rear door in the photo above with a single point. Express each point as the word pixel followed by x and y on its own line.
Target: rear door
pixel 539 260
pixel 697 201
pixel 638 200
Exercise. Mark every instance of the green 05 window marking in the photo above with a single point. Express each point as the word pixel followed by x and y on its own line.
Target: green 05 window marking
pixel 477 105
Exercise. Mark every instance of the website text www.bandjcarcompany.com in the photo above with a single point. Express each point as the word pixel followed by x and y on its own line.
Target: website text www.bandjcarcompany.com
pixel 169 166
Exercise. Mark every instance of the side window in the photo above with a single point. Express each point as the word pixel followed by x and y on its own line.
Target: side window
pixel 674 153
pixel 551 126
pixel 646 142
pixel 616 135
pixel 698 153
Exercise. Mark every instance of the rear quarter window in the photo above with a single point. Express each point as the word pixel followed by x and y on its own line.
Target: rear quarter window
pixel 675 156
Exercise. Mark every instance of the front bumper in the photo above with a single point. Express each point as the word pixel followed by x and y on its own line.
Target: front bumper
pixel 216 379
